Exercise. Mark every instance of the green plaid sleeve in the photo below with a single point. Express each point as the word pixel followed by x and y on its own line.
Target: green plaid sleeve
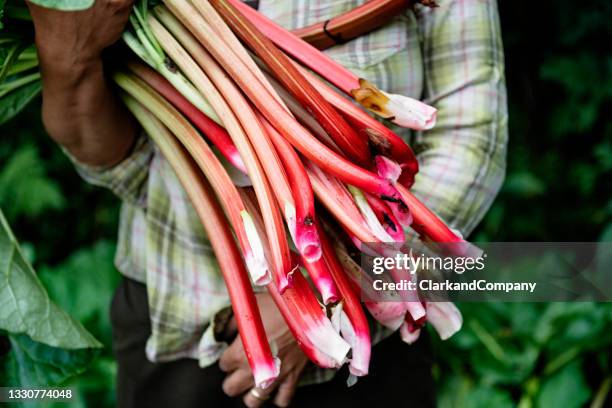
pixel 463 158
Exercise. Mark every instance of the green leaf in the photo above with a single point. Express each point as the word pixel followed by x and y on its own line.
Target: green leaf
pixel 68 5
pixel 15 101
pixel 85 296
pixel 25 307
pixel 24 186
pixel 35 364
pixel 567 388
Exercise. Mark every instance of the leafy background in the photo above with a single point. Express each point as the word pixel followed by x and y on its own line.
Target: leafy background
pixel 558 188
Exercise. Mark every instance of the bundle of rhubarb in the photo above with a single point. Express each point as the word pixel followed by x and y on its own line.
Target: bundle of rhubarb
pixel 222 90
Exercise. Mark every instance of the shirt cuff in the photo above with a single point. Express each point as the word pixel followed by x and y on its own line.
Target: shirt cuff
pixel 128 179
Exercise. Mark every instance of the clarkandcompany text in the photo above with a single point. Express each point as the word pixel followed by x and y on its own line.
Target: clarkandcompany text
pixel 481 285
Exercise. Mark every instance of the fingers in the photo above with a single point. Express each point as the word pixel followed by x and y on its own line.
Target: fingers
pixel 256 397
pixel 233 357
pixel 286 390
pixel 238 382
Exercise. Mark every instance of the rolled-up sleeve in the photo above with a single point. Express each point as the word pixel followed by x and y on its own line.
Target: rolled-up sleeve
pixel 128 179
pixel 463 158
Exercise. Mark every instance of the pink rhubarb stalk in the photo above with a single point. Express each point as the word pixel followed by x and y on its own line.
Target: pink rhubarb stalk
pixel 215 133
pixel 426 222
pixel 284 71
pixel 303 313
pixel 240 219
pixel 322 279
pixel 337 199
pixel 264 365
pixel 402 110
pixel 356 328
pixel 304 232
pixel 274 226
pixel 386 217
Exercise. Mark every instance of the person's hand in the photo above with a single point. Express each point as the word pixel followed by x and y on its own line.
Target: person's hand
pixel 79 109
pixel 71 38
pixel 239 378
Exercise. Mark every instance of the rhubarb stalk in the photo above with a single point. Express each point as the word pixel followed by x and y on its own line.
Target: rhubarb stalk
pixel 303 313
pixel 217 135
pixel 402 110
pixel 284 71
pixel 356 326
pixel 264 365
pixel 274 226
pixel 240 219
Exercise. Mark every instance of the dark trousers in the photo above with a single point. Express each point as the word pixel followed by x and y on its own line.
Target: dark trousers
pixel 400 375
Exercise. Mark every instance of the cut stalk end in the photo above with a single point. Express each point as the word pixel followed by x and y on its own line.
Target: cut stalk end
pixel 402 110
pixel 265 373
pixel 410 113
pixel 255 260
pixel 445 318
pixel 308 243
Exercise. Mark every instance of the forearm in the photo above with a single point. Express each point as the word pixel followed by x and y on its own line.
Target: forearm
pixel 81 113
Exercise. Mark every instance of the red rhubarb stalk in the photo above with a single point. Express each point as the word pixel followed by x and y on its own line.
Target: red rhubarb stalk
pixel 360 20
pixel 303 313
pixel 337 199
pixel 287 126
pixel 386 218
pixel 217 135
pixel 284 71
pixel 264 366
pixel 382 140
pixel 355 328
pixel 240 219
pixel 322 279
pixel 400 109
pixel 272 219
pixel 305 233
pixel 426 222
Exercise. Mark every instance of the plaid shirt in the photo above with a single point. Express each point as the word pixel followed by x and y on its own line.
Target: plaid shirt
pixel 451 57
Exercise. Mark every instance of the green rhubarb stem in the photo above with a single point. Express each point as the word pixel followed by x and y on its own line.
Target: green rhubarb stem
pixel 163 65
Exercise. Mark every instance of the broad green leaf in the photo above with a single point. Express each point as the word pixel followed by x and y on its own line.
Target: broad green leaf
pixel 86 296
pixel 15 101
pixel 567 388
pixel 25 307
pixel 25 189
pixel 31 364
pixel 68 5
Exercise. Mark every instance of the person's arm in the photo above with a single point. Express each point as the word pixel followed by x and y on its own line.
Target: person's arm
pixel 463 158
pixel 79 110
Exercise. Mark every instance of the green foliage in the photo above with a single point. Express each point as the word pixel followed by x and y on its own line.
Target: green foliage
pixel 44 352
pixel 16 100
pixel 23 300
pixel 25 189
